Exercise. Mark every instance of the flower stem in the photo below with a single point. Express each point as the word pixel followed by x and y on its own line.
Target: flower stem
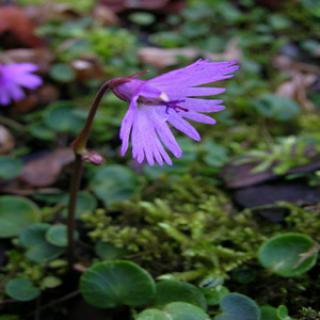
pixel 79 147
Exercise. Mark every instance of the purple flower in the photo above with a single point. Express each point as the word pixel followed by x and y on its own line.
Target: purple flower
pixel 169 100
pixel 14 77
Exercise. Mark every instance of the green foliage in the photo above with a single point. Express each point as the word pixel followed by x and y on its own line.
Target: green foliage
pixel 10 167
pixel 62 73
pixel 290 152
pixel 114 183
pixel 289 254
pixel 168 291
pixel 115 283
pixel 238 306
pixel 21 289
pixel 187 226
pixel 62 116
pixel 16 214
pixel 276 107
pixel 174 311
pixel 309 314
pixel 34 239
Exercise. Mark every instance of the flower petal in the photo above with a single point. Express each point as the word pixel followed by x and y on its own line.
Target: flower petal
pixel 202 105
pixel 158 116
pixel 126 126
pixel 198 117
pixel 184 126
pixel 199 73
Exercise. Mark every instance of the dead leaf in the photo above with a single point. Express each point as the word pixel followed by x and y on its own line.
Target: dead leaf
pixel 165 5
pixel 42 96
pixel 301 75
pixel 42 57
pixel 51 10
pixel 270 193
pixel 90 68
pixel 105 15
pixel 232 52
pixel 296 89
pixel 16 29
pixel 7 142
pixel 161 58
pixel 44 171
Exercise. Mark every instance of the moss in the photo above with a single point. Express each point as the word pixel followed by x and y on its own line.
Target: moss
pixel 189 227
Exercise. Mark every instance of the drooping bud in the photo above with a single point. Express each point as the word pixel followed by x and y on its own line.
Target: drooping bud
pixel 93 157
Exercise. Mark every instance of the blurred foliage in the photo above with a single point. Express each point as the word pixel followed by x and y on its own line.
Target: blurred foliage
pixel 177 222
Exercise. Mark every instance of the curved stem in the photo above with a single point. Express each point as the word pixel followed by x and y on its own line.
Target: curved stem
pixel 80 143
pixel 79 147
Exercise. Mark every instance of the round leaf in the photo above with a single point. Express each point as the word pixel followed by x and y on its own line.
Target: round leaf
pixel 268 313
pixel 153 314
pixel 114 183
pixel 185 311
pixel 288 254
pixel 113 283
pixel 238 306
pixel 10 167
pixel 62 116
pixel 174 311
pixel 57 235
pixel 173 291
pixel 16 214
pixel 108 251
pixel 21 289
pixel 86 202
pixel 38 249
pixel 62 72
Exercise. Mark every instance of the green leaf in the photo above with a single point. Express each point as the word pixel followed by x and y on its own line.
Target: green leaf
pixel 21 289
pixel 153 314
pixel 10 167
pixel 276 107
pixel 110 284
pixel 62 116
pixel 114 183
pixel 288 254
pixel 268 313
pixel 174 311
pixel 9 317
pixel 108 251
pixel 86 202
pixel 238 306
pixel 50 282
pixel 173 291
pixel 16 214
pixel 57 235
pixel 62 72
pixel 142 18
pixel 39 250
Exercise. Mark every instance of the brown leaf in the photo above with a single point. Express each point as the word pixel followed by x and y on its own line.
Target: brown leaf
pixel 16 29
pixel 42 57
pixel 301 75
pixel 45 170
pixel 296 89
pixel 42 96
pixel 161 58
pixel 105 15
pixel 242 175
pixel 6 140
pixel 165 5
pixel 232 52
pixel 51 10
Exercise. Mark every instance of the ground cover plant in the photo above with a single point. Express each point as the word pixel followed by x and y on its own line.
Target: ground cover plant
pixel 116 204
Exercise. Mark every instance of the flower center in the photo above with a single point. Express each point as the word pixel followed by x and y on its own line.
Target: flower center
pixel 174 104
